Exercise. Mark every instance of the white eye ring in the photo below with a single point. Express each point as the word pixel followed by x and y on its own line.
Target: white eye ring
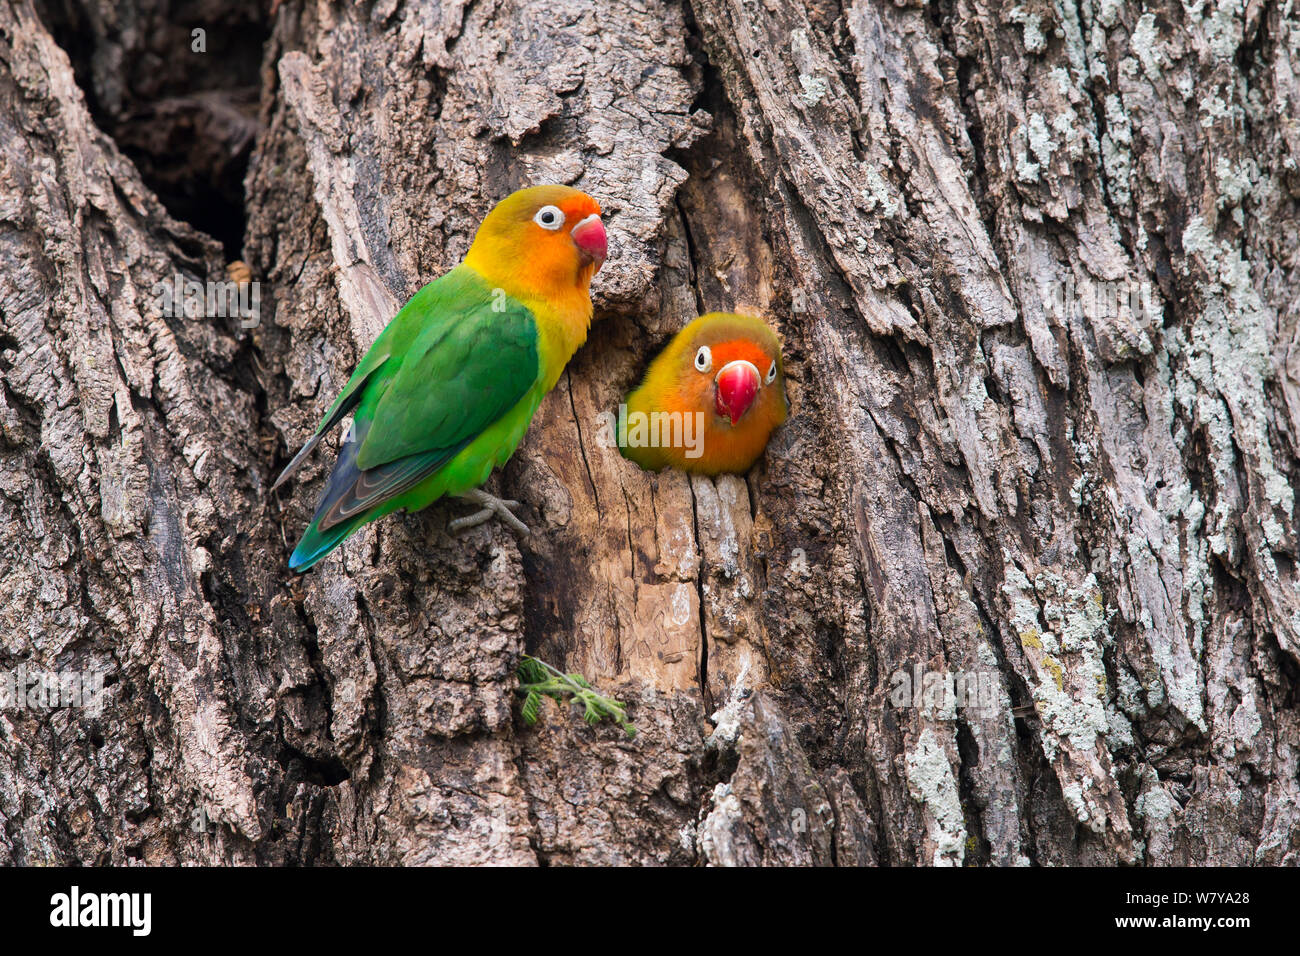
pixel 549 217
pixel 771 373
pixel 704 359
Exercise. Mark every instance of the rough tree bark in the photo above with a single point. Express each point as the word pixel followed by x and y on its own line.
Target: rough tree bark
pixel 991 468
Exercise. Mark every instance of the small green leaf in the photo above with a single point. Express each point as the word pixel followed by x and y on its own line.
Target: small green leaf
pixel 532 705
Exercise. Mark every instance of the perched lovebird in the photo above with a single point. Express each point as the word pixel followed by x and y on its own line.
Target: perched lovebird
pixel 447 390
pixel 710 400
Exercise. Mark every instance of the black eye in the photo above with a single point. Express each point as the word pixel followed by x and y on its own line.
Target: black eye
pixel 704 359
pixel 771 373
pixel 549 217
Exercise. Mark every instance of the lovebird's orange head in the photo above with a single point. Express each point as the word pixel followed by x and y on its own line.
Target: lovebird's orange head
pixel 725 372
pixel 544 241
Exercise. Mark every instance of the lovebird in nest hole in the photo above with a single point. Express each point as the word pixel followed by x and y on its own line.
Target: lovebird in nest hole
pixel 710 400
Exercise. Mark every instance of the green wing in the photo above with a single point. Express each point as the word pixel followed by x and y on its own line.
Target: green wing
pixel 459 358
pixel 457 379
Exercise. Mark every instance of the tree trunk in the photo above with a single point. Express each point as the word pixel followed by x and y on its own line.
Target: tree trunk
pixel 1035 270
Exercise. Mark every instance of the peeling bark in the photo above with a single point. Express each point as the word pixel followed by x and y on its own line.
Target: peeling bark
pixel 1035 271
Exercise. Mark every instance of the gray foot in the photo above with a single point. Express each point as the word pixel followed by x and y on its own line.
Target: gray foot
pixel 490 506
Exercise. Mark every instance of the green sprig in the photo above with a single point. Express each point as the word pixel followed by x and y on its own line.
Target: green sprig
pixel 538 679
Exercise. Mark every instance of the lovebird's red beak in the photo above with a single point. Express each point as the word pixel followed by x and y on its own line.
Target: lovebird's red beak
pixel 737 387
pixel 589 237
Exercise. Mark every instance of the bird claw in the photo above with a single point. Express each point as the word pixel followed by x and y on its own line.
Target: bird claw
pixel 491 506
